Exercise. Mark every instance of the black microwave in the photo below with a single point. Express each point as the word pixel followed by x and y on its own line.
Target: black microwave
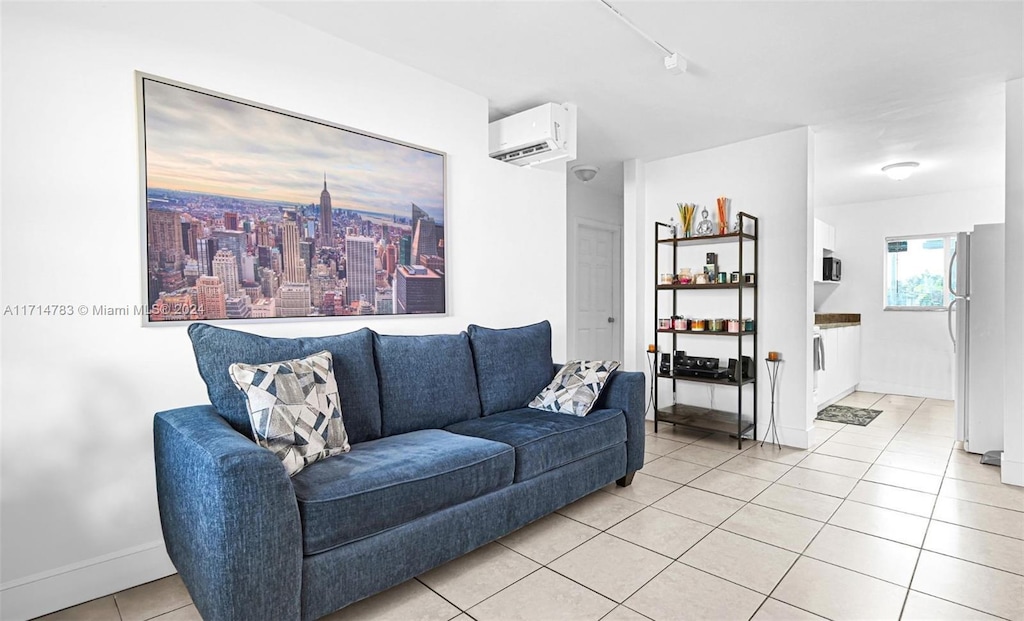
pixel 832 269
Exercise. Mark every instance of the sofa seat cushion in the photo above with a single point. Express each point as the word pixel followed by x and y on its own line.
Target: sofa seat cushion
pixel 388 482
pixel 547 440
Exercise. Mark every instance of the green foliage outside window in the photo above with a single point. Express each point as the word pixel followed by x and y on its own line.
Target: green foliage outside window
pixel 916 272
pixel 918 290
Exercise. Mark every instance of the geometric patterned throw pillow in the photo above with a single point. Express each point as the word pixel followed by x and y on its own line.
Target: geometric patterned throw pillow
pixel 576 387
pixel 294 408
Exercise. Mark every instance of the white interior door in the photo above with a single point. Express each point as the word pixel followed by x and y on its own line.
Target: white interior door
pixel 596 293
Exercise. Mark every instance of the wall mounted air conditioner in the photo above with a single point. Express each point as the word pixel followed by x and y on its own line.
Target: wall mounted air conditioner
pixel 546 133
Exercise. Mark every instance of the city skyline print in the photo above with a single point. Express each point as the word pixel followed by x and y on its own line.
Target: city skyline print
pixel 257 213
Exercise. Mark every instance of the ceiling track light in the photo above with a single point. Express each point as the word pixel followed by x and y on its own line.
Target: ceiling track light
pixel 673 63
pixel 900 170
pixel 585 173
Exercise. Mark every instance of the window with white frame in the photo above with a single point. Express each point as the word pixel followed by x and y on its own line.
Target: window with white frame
pixel 916 272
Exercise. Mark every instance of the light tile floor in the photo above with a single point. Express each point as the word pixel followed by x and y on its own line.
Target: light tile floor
pixel 886 521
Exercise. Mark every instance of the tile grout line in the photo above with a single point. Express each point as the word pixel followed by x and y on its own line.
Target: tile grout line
pixel 964 560
pixel 799 554
pixel 719 527
pixel 167 612
pixel 604 531
pixel 928 527
pixel 675 560
pixel 802 555
pixel 931 518
pixel 671 560
pixel 435 592
pixel 975 529
pixel 921 549
pixel 504 588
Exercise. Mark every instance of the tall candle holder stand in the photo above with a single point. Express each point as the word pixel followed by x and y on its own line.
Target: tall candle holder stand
pixel 773 374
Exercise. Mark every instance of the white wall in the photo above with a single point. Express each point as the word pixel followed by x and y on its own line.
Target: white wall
pixel 635 277
pixel 767 177
pixel 79 393
pixel 902 352
pixel 586 201
pixel 1013 421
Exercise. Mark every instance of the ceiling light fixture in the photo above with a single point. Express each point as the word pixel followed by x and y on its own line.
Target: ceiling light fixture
pixel 900 170
pixel 673 63
pixel 585 173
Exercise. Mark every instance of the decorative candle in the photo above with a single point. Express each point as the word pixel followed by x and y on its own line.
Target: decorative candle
pixel 774 355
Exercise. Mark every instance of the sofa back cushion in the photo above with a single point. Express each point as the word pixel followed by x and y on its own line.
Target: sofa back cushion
pixel 512 365
pixel 217 349
pixel 426 382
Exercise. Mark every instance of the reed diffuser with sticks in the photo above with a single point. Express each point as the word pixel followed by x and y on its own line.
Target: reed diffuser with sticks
pixel 686 211
pixel 723 214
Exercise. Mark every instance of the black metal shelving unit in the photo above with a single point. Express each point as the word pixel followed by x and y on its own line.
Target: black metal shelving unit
pixel 736 424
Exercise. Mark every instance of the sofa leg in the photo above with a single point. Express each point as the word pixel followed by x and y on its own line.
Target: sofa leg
pixel 626 480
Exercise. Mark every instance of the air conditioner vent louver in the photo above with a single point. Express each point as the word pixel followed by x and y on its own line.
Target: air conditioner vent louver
pixel 533 149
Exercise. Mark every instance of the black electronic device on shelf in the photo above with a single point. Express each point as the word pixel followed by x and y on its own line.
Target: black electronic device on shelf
pixel 665 368
pixel 698 363
pixel 678 363
pixel 746 368
pixel 705 373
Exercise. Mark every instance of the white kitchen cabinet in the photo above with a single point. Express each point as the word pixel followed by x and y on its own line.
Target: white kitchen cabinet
pixel 849 347
pixel 819 252
pixel 842 364
pixel 824 245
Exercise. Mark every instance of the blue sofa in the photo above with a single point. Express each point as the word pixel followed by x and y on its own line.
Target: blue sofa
pixel 445 458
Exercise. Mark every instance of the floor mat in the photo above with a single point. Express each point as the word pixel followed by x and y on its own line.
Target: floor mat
pixel 848 415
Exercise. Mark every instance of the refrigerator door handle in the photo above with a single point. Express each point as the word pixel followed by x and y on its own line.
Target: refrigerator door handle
pixel 949 322
pixel 949 280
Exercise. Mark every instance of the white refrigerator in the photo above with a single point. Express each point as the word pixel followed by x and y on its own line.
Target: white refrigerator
pixel 976 326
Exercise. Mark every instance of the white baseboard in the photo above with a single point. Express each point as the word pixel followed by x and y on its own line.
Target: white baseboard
pixel 888 388
pixel 50 591
pixel 794 437
pixel 1011 471
pixel 846 393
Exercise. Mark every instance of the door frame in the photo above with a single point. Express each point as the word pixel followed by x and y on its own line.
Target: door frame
pixel 571 271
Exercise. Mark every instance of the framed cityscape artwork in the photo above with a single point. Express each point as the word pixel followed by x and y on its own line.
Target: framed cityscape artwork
pixel 251 212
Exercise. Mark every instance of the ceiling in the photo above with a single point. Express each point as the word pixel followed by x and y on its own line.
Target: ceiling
pixel 878 81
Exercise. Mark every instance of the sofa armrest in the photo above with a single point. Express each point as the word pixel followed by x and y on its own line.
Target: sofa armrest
pixel 625 391
pixel 229 518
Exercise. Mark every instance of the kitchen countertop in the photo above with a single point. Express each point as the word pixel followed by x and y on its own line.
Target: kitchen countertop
pixel 836 320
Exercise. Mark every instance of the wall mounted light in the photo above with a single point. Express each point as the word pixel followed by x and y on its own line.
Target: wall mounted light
pixel 585 173
pixel 900 170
